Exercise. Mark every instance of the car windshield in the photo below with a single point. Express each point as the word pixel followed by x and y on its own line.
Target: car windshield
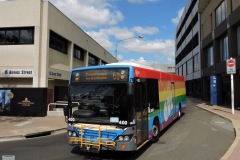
pixel 100 103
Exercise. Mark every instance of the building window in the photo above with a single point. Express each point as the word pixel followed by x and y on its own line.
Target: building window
pixel 16 36
pixel 224 48
pixel 2 37
pixel 238 39
pixel 92 60
pixel 58 43
pixel 184 69
pixel 26 36
pixel 103 63
pixel 210 59
pixel 78 53
pixel 196 62
pixel 221 13
pixel 190 66
pixel 180 71
pixel 12 37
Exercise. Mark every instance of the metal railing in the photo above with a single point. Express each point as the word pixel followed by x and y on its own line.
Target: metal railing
pixel 61 103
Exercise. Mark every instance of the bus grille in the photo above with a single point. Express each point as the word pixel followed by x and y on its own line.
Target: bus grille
pixel 89 136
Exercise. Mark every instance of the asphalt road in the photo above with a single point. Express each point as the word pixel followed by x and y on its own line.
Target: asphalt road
pixel 199 135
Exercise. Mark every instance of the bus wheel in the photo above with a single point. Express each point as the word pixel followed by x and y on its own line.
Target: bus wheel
pixel 179 113
pixel 155 131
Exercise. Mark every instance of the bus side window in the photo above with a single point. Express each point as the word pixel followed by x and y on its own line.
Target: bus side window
pixel 153 95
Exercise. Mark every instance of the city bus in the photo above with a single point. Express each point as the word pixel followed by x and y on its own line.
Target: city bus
pixel 121 106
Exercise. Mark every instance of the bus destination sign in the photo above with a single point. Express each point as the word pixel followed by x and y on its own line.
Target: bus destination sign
pixel 101 75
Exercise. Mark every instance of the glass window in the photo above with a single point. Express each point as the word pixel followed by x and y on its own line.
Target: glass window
pixel 58 43
pixel 238 39
pixel 2 37
pixel 196 62
pixel 92 60
pixel 221 13
pixel 101 103
pixel 180 71
pixel 190 66
pixel 103 63
pixel 224 48
pixel 12 36
pixel 210 59
pixel 26 36
pixel 16 36
pixel 184 69
pixel 78 53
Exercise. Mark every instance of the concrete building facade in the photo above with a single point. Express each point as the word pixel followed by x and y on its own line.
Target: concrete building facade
pixel 39 46
pixel 187 44
pixel 220 38
pixel 217 24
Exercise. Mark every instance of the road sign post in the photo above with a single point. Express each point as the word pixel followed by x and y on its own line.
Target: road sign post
pixel 231 69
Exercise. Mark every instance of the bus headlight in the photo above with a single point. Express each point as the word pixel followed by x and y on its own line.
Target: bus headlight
pixel 120 138
pixel 126 138
pixel 74 134
pixel 69 133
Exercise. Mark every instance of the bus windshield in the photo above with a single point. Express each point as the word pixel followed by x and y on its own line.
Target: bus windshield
pixel 101 103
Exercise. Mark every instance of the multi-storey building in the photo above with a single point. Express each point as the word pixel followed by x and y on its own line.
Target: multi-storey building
pixel 187 46
pixel 38 47
pixel 220 39
pixel 209 29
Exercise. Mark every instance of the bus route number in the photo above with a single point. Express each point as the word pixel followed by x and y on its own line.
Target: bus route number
pixel 123 122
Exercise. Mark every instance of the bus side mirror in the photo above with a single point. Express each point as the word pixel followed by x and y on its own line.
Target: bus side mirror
pixel 65 111
pixel 130 89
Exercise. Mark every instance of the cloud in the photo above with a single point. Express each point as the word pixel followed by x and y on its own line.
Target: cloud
pixel 100 18
pixel 166 47
pixel 89 13
pixel 102 36
pixel 140 1
pixel 146 30
pixel 176 19
pixel 161 50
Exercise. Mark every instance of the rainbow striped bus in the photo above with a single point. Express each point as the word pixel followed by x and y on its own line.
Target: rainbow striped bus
pixel 121 107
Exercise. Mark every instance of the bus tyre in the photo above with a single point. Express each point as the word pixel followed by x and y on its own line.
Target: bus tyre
pixel 155 131
pixel 179 113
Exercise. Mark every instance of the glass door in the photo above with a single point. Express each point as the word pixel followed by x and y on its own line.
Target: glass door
pixel 141 112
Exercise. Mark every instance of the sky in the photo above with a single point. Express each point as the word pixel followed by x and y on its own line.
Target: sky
pixel 117 25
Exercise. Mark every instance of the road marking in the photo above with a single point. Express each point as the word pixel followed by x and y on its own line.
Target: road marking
pixel 23 123
pixel 219 122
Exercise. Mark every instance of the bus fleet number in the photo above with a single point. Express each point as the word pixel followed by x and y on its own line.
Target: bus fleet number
pixel 123 122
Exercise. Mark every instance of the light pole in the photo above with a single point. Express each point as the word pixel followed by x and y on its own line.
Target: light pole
pixel 124 40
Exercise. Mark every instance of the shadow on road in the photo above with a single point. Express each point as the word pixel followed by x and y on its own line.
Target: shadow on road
pixel 110 155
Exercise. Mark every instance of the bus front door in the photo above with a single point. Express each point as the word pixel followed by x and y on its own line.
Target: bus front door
pixel 141 112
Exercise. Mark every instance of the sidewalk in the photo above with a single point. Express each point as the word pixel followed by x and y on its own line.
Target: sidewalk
pixel 15 128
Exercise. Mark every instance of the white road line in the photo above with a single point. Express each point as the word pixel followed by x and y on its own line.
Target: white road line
pixel 23 123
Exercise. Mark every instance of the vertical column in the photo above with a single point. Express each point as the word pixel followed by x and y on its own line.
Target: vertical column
pixel 232 42
pixel 43 45
pixel 87 54
pixel 86 58
pixel 71 50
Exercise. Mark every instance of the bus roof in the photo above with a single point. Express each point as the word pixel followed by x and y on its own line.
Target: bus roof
pixel 118 64
pixel 147 71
